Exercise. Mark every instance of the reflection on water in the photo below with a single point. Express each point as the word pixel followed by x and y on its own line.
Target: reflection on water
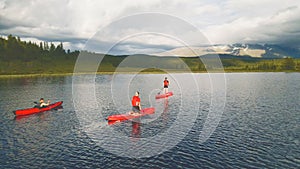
pixel 136 129
pixel 259 128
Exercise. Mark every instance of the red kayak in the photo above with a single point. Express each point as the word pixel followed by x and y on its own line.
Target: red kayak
pixel 34 110
pixel 121 117
pixel 165 95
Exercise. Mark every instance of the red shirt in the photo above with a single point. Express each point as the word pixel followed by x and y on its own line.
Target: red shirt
pixel 135 101
pixel 166 83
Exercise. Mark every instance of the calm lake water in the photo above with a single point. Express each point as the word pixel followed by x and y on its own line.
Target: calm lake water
pixel 258 127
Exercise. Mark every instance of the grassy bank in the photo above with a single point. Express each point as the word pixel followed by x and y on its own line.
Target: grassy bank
pixel 110 64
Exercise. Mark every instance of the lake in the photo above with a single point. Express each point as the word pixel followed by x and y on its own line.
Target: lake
pixel 232 120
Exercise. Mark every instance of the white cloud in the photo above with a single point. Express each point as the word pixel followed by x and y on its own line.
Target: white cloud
pixel 258 29
pixel 229 21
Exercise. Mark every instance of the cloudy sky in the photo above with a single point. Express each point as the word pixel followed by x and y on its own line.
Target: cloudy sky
pixel 106 22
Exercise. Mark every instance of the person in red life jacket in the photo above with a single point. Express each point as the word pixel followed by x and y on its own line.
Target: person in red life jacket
pixel 166 85
pixel 136 103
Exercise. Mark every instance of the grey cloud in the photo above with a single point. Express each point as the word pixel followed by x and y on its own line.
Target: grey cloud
pixel 7 24
pixel 286 28
pixel 75 22
pixel 124 48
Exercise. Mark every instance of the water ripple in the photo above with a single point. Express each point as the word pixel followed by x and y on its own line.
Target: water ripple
pixel 258 129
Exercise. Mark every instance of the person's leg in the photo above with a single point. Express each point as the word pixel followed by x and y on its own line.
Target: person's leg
pixel 135 110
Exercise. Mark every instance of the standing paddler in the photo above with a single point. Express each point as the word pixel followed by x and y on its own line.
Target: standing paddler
pixel 166 85
pixel 136 103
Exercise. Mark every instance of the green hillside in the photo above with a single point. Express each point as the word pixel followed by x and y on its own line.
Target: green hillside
pixel 19 57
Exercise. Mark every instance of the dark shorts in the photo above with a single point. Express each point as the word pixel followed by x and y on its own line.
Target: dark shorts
pixel 136 109
pixel 166 87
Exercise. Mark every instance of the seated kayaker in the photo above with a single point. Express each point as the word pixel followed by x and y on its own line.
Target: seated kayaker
pixel 136 104
pixel 43 104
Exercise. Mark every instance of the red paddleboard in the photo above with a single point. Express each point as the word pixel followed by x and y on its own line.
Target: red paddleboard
pixel 160 96
pixel 29 111
pixel 121 117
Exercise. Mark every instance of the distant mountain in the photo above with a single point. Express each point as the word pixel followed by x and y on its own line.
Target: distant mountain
pixel 241 50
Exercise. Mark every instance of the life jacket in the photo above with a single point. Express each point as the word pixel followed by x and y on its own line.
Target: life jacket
pixel 166 83
pixel 135 101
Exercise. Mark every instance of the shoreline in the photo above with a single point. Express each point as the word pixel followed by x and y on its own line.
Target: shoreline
pixel 110 73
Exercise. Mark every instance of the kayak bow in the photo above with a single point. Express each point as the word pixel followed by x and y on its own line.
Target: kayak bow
pixel 165 95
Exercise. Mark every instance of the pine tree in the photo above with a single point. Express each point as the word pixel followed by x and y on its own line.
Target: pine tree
pixel 288 64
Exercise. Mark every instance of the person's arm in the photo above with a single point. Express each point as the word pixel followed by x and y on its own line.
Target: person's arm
pixel 45 104
pixel 140 107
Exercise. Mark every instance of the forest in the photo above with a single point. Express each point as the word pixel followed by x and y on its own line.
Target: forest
pixel 19 57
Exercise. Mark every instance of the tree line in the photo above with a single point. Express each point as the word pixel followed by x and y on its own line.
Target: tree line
pixel 13 48
pixel 21 57
pixel 270 65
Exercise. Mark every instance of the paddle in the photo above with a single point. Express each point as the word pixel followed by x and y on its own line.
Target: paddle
pixel 36 105
pixel 160 90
